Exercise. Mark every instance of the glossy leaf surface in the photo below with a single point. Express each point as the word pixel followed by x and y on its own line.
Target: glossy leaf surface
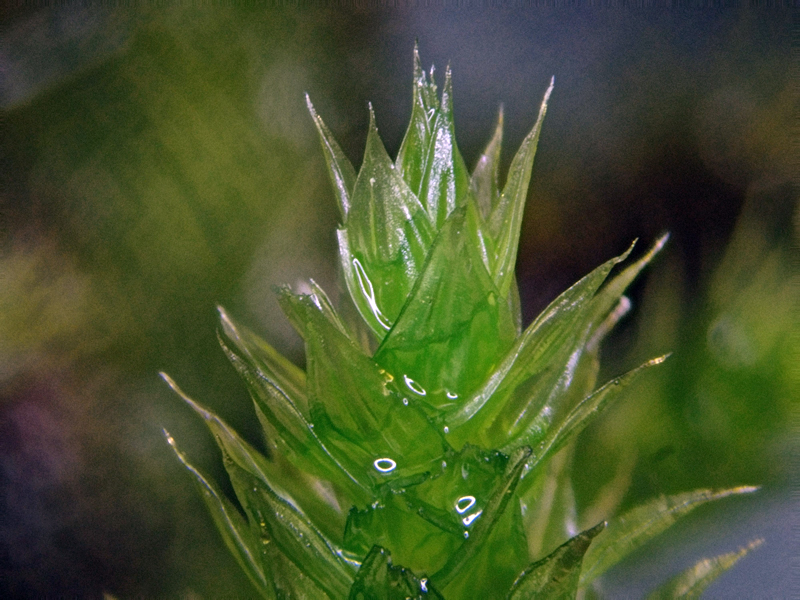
pixel 556 576
pixel 378 579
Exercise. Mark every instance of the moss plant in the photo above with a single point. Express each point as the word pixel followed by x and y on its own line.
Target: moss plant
pixel 423 453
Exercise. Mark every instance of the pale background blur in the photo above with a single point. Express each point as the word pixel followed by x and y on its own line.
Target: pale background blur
pixel 158 162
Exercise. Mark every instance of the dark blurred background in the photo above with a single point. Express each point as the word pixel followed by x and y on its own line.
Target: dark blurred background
pixel 159 160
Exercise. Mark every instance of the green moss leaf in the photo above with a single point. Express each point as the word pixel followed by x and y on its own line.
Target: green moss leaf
pixel 282 409
pixel 297 538
pixel 691 583
pixel 459 561
pixel 358 409
pixel 455 327
pixel 556 576
pixel 235 531
pixel 378 579
pixel 506 218
pixel 388 233
pixel 412 158
pixel 340 169
pixel 492 414
pixel 446 178
pixel 628 532
pixel 484 180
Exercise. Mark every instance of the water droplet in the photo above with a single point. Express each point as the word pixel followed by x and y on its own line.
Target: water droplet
pixel 385 465
pixel 414 386
pixel 446 429
pixel 451 395
pixel 467 521
pixel 405 401
pixel 464 503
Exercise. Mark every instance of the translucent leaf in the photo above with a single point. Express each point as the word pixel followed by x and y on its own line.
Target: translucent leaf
pixel 558 436
pixel 548 337
pixel 305 492
pixel 386 238
pixel 340 169
pixel 556 576
pixel 234 529
pixel 455 327
pixel 455 496
pixel 608 297
pixel 393 523
pixel 482 529
pixel 506 219
pixel 484 181
pixel 446 179
pixel 288 432
pixel 641 524
pixel 297 538
pixel 378 579
pixel 358 410
pixel 413 155
pixel 498 561
pixel 269 363
pixel 691 583
pixel 287 301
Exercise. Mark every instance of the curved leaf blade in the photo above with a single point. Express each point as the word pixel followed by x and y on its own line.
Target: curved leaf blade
pixel 690 584
pixel 628 532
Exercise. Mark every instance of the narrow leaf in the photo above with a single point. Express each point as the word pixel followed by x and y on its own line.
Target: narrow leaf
pixel 306 493
pixel 641 524
pixel 557 437
pixel 378 579
pixel 506 219
pixel 446 180
pixel 269 362
pixel 293 533
pixel 531 354
pixel 484 181
pixel 235 532
pixel 556 576
pixel 340 169
pixel 413 155
pixel 691 583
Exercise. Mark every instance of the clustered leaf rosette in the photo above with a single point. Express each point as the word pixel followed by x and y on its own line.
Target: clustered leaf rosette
pixel 420 432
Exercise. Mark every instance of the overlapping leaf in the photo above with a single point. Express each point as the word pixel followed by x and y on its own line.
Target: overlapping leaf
pixel 379 579
pixel 356 407
pixel 455 324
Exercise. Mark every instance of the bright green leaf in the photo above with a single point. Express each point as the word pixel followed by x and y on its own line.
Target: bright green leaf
pixel 378 579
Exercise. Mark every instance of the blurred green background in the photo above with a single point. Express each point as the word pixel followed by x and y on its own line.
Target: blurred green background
pixel 159 160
